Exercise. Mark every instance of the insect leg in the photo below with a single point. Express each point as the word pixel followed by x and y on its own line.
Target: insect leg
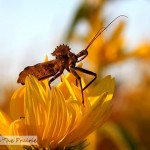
pixel 87 72
pixel 76 82
pixel 76 78
pixel 82 54
pixel 54 77
pixel 72 70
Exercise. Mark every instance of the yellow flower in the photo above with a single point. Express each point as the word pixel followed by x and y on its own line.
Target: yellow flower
pixel 105 51
pixel 142 51
pixel 57 116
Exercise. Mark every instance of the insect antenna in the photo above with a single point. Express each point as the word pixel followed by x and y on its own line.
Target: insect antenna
pixel 101 30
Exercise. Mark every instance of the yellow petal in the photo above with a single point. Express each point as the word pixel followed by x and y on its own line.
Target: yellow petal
pixel 4 123
pixel 18 128
pixel 67 81
pixel 66 88
pixel 106 85
pixel 60 118
pixel 36 105
pixel 3 147
pixel 78 95
pixel 89 122
pixel 17 101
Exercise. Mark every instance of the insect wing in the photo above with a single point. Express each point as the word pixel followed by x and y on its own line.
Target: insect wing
pixel 40 71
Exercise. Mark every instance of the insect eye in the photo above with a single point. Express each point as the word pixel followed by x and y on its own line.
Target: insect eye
pixel 58 56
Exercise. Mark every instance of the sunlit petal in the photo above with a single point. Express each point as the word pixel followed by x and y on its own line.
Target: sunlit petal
pixel 106 85
pixel 17 101
pixel 18 127
pixel 4 123
pixel 35 107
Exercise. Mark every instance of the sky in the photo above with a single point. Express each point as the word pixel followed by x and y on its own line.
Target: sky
pixel 30 29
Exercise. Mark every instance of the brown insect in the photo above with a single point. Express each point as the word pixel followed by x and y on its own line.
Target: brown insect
pixel 65 59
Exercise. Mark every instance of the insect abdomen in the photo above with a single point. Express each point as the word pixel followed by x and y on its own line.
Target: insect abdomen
pixel 40 71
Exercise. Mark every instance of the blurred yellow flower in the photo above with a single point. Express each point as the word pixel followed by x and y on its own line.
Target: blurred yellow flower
pixel 106 51
pixel 142 51
pixel 57 116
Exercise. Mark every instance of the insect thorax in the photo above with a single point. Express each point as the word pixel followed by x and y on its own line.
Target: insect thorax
pixel 64 56
pixel 61 50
